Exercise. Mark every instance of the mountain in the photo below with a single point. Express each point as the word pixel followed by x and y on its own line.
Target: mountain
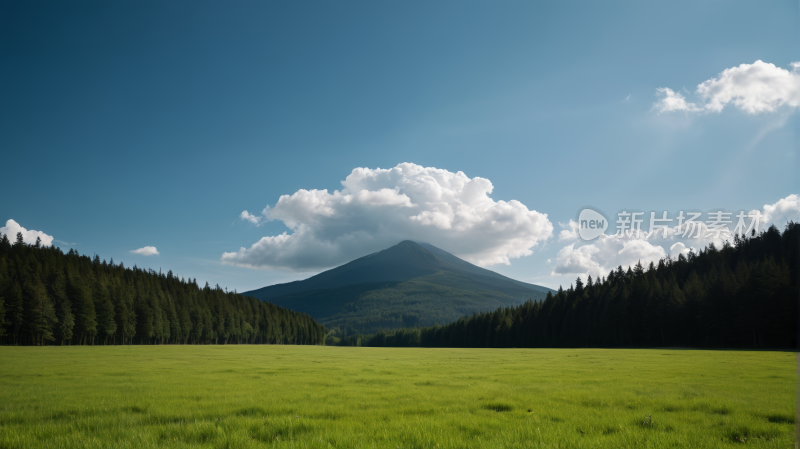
pixel 409 284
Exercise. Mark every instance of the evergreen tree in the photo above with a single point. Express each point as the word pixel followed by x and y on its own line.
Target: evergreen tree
pixel 40 314
pixel 15 311
pixel 66 322
pixel 104 307
pixel 2 317
pixel 86 316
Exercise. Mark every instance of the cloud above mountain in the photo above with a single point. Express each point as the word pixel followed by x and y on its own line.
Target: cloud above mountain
pixel 28 236
pixel 377 208
pixel 753 88
pixel 598 257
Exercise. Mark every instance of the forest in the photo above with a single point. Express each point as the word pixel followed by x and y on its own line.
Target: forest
pixel 48 297
pixel 743 295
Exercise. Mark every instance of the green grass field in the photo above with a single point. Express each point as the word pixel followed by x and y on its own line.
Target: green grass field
pixel 295 396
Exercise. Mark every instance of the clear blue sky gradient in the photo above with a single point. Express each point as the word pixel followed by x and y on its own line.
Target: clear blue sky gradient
pixel 126 124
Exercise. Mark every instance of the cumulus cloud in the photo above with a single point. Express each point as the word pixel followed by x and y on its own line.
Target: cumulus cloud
pixel 753 88
pixel 782 212
pixel 146 251
pixel 609 251
pixel 378 208
pixel 598 257
pixel 12 228
pixel 577 260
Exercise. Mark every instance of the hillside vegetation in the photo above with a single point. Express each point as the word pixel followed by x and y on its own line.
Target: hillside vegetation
pixel 48 297
pixel 739 296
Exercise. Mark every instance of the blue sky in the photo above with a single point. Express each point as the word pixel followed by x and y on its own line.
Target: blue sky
pixel 125 125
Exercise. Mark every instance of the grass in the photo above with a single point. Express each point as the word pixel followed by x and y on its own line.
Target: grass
pixel 320 397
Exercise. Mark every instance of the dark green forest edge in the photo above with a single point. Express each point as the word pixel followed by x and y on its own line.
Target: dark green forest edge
pixel 48 297
pixel 743 295
pixel 739 296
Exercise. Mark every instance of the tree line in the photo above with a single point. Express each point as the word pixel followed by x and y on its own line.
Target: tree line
pixel 743 295
pixel 48 297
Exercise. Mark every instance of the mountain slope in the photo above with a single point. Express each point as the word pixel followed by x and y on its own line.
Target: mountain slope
pixel 466 266
pixel 408 284
pixel 404 261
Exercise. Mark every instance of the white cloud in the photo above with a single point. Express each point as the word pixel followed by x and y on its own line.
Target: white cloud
pixel 785 210
pixel 672 101
pixel 254 219
pixel 146 251
pixel 753 88
pixel 577 260
pixel 569 231
pixel 678 249
pixel 610 251
pixel 378 208
pixel 12 228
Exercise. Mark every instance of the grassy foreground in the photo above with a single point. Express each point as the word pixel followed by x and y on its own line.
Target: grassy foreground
pixel 311 396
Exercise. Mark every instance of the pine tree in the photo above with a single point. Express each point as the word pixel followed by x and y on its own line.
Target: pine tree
pixel 86 316
pixel 104 306
pixel 128 317
pixel 692 319
pixel 2 317
pixel 66 322
pixel 15 311
pixel 106 325
pixel 41 316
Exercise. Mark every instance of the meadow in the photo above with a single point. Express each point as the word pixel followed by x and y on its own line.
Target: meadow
pixel 320 397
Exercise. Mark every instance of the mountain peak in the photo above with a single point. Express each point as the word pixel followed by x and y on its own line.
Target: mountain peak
pixel 419 272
